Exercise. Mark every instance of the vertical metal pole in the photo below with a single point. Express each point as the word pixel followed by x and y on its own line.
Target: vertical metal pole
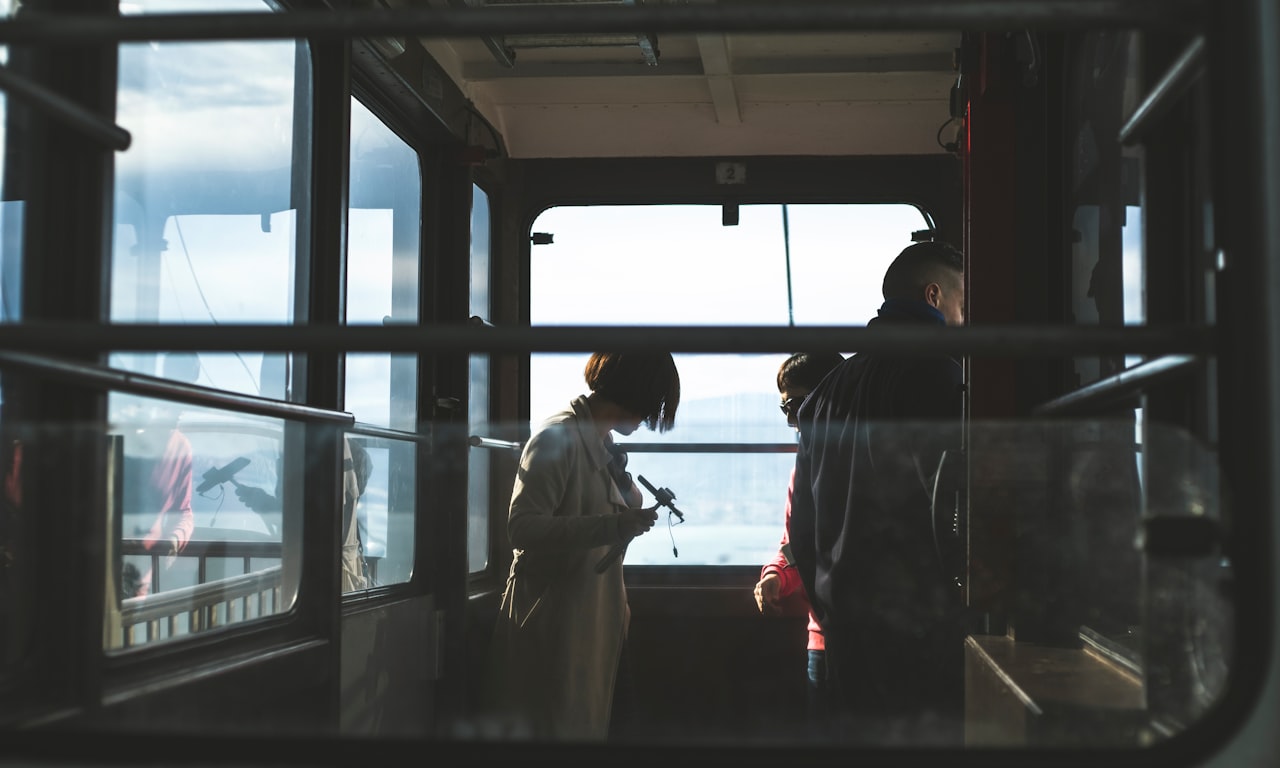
pixel 786 244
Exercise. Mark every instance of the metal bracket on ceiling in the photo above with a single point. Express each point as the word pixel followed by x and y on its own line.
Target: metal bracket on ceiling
pixel 504 47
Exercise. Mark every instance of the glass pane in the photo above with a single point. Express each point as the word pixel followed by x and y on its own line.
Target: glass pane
pixel 202 505
pixel 383 224
pixel 377 548
pixel 10 211
pixel 478 463
pixel 205 226
pixel 1107 266
pixel 780 265
pixel 763 273
pixel 205 231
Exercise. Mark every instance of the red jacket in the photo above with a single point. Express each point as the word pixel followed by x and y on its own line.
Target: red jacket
pixel 789 584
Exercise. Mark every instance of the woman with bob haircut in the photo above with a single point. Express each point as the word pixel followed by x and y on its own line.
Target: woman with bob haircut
pixel 559 635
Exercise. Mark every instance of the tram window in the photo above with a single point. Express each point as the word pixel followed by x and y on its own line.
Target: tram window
pixel 204 228
pixel 478 373
pixel 385 471
pixel 795 264
pixel 10 215
pixel 383 233
pixel 205 232
pixel 203 503
pixel 383 224
pixel 1108 266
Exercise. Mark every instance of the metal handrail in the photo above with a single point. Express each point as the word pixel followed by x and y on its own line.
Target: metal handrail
pixel 114 379
pixel 1128 382
pixel 172 602
pixel 630 447
pixel 903 340
pixel 101 130
pixel 1171 87
pixel 476 441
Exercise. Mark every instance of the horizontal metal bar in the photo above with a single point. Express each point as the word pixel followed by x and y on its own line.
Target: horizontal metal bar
pixel 906 340
pixel 1171 87
pixel 731 448
pixel 32 28
pixel 477 441
pixel 101 130
pixel 1128 382
pixel 171 602
pixel 361 429
pixel 196 547
pixel 105 378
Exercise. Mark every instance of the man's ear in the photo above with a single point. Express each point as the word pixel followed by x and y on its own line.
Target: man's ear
pixel 933 294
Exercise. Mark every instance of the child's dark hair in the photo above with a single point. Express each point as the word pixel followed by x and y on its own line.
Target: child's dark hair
pixel 806 369
pixel 645 383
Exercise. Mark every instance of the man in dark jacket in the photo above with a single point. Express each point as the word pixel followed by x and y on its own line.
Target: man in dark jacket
pixel 862 529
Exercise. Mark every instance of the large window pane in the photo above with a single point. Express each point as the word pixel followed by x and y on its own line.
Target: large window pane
pixel 202 502
pixel 478 373
pixel 206 230
pixel 10 212
pixel 205 227
pixel 385 472
pixel 781 265
pixel 383 237
pixel 382 267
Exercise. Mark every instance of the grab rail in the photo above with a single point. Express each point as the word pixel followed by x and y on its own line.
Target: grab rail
pixel 105 377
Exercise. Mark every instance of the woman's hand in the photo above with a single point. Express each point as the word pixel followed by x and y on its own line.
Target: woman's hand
pixel 633 522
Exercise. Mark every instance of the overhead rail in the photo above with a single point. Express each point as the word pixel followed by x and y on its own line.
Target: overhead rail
pixel 908 340
pixel 1171 87
pixel 1126 383
pixel 33 28
pixel 54 104
pixel 114 379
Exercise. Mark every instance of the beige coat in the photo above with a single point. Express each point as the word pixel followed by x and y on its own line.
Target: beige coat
pixel 560 629
pixel 353 562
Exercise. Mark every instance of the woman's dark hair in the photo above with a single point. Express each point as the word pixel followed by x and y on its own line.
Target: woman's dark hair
pixel 806 369
pixel 645 383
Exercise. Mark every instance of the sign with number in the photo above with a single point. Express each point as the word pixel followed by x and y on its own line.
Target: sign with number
pixel 731 173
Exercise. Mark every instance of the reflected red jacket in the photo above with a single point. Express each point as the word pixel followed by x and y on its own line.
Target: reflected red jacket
pixel 789 584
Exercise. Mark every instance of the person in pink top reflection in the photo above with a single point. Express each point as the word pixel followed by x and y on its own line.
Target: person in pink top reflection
pixel 161 485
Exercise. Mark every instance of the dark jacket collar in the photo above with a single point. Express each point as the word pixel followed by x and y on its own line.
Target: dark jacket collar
pixel 908 311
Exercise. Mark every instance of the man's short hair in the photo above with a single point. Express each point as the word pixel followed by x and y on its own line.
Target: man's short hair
pixel 918 265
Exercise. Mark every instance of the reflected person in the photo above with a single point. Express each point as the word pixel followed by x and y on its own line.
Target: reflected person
pixel 355 473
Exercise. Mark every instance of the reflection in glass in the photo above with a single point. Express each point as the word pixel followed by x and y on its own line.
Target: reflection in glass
pixel 478 373
pixel 378 521
pixel 10 213
pixel 199 517
pixel 205 225
pixel 382 267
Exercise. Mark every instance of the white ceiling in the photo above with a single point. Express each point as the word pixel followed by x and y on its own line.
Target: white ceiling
pixel 711 94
